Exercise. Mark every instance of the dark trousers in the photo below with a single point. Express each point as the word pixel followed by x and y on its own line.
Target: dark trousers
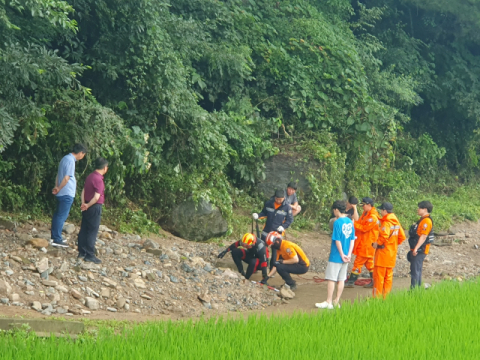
pixel 87 237
pixel 285 270
pixel 64 203
pixel 239 256
pixel 416 266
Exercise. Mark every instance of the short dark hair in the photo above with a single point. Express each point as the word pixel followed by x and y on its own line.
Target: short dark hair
pixel 292 185
pixel 340 205
pixel 100 163
pixel 353 200
pixel 79 148
pixel 426 205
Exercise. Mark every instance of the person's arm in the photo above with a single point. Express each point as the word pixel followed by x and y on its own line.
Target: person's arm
pixel 401 236
pixel 384 235
pixel 338 244
pixel 368 226
pixel 294 206
pixel 289 218
pixel 64 182
pixel 355 216
pixel 350 251
pixel 93 201
pixel 272 272
pixel 263 262
pixel 263 213
pixel 420 242
pixel 293 260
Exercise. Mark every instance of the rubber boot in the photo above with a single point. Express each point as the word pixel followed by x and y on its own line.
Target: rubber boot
pixel 351 280
pixel 370 285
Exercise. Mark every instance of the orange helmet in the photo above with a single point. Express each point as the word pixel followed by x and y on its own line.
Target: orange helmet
pixel 249 239
pixel 271 237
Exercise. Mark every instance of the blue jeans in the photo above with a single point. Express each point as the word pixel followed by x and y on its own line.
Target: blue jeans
pixel 64 203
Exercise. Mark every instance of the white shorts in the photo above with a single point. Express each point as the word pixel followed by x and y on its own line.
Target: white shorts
pixel 336 271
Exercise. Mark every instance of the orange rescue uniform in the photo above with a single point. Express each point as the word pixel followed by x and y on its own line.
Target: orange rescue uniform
pixel 366 231
pixel 288 250
pixel 391 235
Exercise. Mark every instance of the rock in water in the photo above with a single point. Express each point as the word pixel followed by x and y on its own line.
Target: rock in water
pixel 197 222
pixel 38 243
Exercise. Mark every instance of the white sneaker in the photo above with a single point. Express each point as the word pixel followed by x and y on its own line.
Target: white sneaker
pixel 324 305
pixel 337 305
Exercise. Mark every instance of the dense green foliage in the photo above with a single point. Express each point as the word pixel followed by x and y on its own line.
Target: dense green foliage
pixel 419 324
pixel 187 98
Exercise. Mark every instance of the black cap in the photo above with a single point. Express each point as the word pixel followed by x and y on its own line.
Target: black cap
pixel 292 185
pixel 386 206
pixel 367 200
pixel 353 200
pixel 279 193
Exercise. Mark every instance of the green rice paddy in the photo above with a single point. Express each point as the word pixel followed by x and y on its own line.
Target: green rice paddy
pixel 439 323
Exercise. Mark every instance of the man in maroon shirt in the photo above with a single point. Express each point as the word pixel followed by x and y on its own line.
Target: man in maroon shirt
pixel 93 198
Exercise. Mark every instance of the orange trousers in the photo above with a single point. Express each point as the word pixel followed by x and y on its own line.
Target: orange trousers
pixel 359 262
pixel 382 281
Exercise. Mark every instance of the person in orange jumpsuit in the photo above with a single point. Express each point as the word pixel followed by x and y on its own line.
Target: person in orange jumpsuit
pixel 391 235
pixel 366 231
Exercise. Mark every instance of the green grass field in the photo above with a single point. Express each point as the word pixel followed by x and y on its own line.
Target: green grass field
pixel 440 323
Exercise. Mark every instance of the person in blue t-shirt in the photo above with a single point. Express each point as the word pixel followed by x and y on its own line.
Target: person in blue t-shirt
pixel 343 239
pixel 64 190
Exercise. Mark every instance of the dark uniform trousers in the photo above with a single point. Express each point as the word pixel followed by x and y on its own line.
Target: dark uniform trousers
pixel 416 266
pixel 240 255
pixel 284 270
pixel 87 237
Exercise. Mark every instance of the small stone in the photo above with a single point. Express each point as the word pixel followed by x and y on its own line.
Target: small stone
pixel 146 297
pixel 127 307
pixel 103 228
pixel 151 277
pixel 42 265
pixel 105 292
pixel 85 312
pixel 150 244
pixel 156 252
pixel 121 303
pixel 76 294
pixel 173 279
pixel 61 288
pixel 475 246
pixel 90 275
pixel 44 275
pixel 185 267
pixel 46 312
pixel 36 305
pixel 82 278
pixel 286 293
pixel 92 303
pixel 139 284
pixel 9 272
pixel 68 229
pixel 5 300
pixel 49 283
pixel 14 297
pixel 17 259
pixel 61 310
pixel 159 274
pixel 30 293
pixel 111 309
pixel 117 251
pixel 110 282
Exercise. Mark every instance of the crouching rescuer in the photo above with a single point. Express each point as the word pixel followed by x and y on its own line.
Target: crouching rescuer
pixel 290 259
pixel 254 252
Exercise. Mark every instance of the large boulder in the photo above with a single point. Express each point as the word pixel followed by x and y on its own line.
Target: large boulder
pixel 197 222
pixel 282 169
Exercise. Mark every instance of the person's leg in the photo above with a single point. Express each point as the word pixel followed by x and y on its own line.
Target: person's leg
pixel 252 266
pixel 369 264
pixel 356 271
pixel 330 290
pixel 415 270
pixel 387 287
pixel 378 280
pixel 284 270
pixel 238 255
pixel 340 286
pixel 64 203
pixel 342 276
pixel 420 267
pixel 94 219
pixel 82 235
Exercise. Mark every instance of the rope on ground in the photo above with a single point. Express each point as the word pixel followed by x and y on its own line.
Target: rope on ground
pixel 315 279
pixel 363 282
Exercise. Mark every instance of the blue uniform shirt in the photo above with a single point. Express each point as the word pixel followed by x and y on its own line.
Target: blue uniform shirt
pixel 344 232
pixel 67 168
